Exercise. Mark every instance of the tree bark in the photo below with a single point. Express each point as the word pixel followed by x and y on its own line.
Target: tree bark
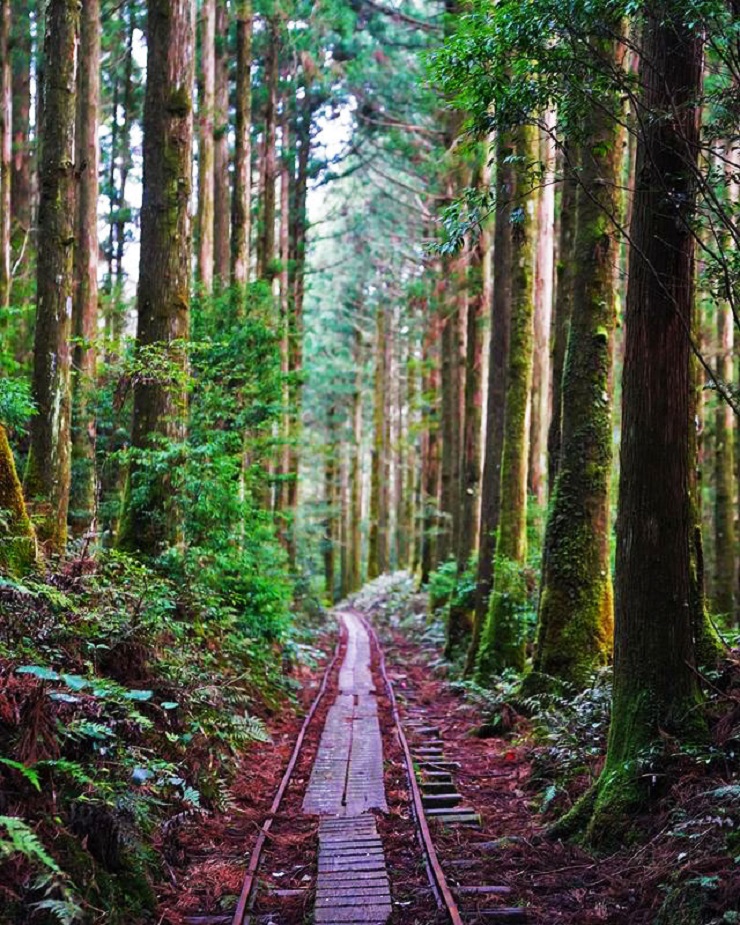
pixel 222 183
pixel 724 476
pixel 241 207
pixel 502 637
pixel 430 448
pixel 562 309
pixel 266 250
pixel 6 151
pixel 461 618
pixel 377 559
pixel 330 500
pixel 575 621
pixel 500 309
pixel 48 468
pixel 540 415
pixel 355 536
pixel 22 174
pixel 151 519
pixel 85 310
pixel 656 690
pixel 206 109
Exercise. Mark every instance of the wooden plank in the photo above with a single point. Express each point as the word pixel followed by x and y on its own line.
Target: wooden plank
pixel 366 915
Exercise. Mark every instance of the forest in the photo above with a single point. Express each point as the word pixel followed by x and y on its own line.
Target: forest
pixel 427 305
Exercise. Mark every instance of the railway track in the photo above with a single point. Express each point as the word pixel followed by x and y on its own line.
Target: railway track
pixel 346 785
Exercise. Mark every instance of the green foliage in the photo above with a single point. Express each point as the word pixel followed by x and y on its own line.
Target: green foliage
pixel 571 726
pixel 16 405
pixel 19 838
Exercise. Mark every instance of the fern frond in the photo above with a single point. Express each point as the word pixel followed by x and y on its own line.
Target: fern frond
pixel 21 839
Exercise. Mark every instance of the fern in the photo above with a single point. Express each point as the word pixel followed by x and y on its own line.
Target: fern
pixel 71 768
pixel 30 775
pixel 65 911
pixel 21 839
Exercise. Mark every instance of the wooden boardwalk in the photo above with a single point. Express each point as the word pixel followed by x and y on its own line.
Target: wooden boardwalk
pixel 347 782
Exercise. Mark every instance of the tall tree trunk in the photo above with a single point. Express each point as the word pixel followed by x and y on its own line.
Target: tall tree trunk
pixel 221 180
pixel 540 415
pixel 345 527
pixel 85 309
pixel 296 280
pixel 450 411
pixel 151 519
pixel 120 164
pixel 241 208
pixel 48 470
pixel 498 358
pixel 330 500
pixel 576 622
pixel 502 637
pixel 562 309
pixel 6 151
pixel 355 478
pixel 461 618
pixel 376 554
pixel 411 462
pixel 22 175
pixel 656 690
pixel 206 108
pixel 266 249
pixel 724 475
pixel 431 448
pixel 286 164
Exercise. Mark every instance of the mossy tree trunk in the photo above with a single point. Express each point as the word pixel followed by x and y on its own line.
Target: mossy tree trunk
pixel 562 308
pixel 21 185
pixel 85 310
pixel 724 476
pixel 18 550
pixel 286 172
pixel 540 410
pixel 6 150
pixel 221 179
pixel 430 448
pixel 241 203
pixel 151 518
pixel 376 558
pixel 48 470
pixel 498 357
pixel 460 618
pixel 266 242
pixel 502 643
pixel 656 690
pixel 303 114
pixel 355 477
pixel 575 621
pixel 206 143
pixel 330 501
pixel 450 420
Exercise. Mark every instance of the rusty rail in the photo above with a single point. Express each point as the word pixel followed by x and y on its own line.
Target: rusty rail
pixel 249 879
pixel 434 868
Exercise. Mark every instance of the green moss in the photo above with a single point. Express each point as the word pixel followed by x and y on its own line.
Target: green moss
pixel 503 638
pixel 18 550
pixel 125 895
pixel 685 904
pixel 179 102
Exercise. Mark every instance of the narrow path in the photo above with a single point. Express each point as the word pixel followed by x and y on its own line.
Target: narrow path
pixel 347 782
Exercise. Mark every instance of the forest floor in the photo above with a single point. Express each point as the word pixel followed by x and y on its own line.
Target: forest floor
pixel 680 865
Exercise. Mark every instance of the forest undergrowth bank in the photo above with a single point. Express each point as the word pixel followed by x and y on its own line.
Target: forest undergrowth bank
pixel 129 700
